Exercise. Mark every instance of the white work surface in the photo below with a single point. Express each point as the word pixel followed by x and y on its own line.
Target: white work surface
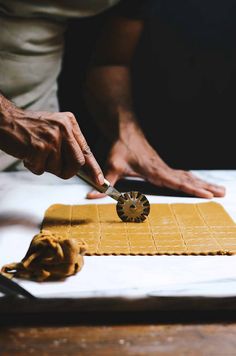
pixel 23 201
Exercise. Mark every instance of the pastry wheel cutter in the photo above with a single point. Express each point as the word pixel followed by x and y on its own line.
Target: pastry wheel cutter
pixel 131 206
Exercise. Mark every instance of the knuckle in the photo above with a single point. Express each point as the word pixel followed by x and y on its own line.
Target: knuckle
pixel 183 186
pixel 39 146
pixel 86 149
pixel 69 116
pixel 53 134
pixel 62 120
pixel 53 152
pixel 77 160
pixel 189 176
pixel 81 160
pixel 71 169
pixel 97 169
pixel 115 166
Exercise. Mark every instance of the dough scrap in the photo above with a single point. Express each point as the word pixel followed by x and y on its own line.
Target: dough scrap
pixel 50 256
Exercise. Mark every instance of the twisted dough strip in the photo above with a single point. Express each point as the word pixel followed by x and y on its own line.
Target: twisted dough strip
pixel 49 257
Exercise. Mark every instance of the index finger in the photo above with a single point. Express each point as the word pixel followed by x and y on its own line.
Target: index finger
pixel 90 160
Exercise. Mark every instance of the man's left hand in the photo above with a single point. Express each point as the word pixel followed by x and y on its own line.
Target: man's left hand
pixel 139 159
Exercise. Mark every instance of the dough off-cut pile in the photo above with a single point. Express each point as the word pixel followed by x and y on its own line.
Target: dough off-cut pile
pixel 49 257
pixel 170 229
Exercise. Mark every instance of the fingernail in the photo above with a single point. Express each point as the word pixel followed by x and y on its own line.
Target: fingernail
pixel 101 179
pixel 95 192
pixel 219 189
pixel 210 196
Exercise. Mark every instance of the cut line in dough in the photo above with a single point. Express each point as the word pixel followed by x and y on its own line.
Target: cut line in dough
pixel 170 229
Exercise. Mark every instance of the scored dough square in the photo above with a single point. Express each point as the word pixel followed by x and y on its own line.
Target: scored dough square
pixel 170 229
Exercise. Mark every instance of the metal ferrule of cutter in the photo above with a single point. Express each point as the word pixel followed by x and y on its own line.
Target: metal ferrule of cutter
pixel 106 188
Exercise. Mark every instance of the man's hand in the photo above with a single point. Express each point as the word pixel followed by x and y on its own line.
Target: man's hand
pixel 46 142
pixel 139 159
pixel 109 99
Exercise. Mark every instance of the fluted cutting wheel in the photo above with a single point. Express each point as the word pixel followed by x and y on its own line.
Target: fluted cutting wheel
pixel 133 207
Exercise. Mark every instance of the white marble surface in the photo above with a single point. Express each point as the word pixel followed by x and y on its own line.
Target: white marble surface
pixel 23 200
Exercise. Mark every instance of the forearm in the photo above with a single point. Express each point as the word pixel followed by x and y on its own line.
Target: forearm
pixel 10 130
pixel 7 111
pixel 4 108
pixel 109 99
pixel 108 86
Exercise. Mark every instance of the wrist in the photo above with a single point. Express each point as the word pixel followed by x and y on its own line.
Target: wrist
pixel 8 111
pixel 129 126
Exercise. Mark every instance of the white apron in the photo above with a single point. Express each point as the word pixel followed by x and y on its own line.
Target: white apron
pixel 31 49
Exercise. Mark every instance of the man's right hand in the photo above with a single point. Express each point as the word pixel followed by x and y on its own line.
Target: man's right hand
pixel 46 142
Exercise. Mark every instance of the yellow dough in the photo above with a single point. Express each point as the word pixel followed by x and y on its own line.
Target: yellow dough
pixel 170 229
pixel 50 256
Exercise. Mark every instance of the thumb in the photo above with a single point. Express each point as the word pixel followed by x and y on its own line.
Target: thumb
pixel 112 177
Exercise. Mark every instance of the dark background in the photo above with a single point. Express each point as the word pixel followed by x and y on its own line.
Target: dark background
pixel 184 84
